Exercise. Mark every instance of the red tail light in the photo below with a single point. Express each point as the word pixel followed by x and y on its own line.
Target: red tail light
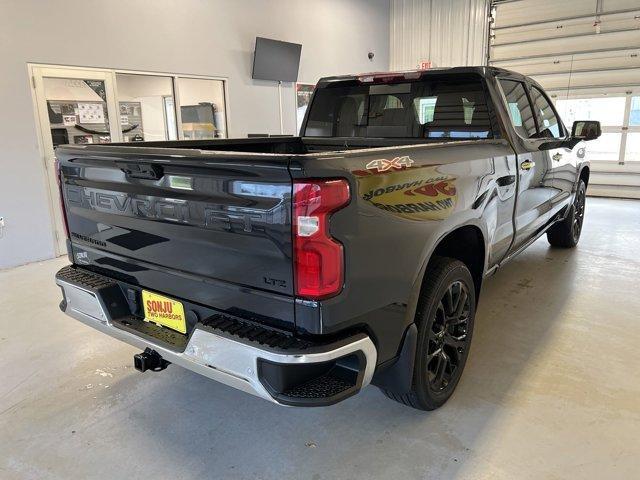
pixel 318 258
pixel 64 213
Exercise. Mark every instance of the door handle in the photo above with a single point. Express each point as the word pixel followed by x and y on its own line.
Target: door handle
pixel 527 165
pixel 506 180
pixel 141 170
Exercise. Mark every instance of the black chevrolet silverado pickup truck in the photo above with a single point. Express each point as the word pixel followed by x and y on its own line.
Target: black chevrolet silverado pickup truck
pixel 302 269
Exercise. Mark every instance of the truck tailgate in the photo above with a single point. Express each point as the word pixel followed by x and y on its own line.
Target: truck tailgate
pixel 211 228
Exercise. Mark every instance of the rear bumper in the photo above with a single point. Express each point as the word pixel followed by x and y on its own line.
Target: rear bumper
pixel 307 375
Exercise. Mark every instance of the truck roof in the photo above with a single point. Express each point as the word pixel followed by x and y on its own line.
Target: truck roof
pixel 417 74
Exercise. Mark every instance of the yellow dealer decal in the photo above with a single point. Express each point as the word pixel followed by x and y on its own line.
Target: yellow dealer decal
pixel 418 193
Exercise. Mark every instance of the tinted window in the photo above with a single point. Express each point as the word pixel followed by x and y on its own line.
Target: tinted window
pixel 547 120
pixel 438 106
pixel 519 108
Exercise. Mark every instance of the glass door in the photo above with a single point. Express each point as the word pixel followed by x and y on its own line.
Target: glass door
pixel 74 106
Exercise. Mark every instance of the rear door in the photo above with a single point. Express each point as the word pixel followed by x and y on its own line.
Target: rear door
pixel 213 229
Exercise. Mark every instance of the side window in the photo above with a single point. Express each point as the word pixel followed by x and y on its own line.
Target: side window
pixel 425 108
pixel 547 119
pixel 393 102
pixel 519 108
pixel 468 107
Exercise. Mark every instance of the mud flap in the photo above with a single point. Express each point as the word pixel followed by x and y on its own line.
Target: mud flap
pixel 398 377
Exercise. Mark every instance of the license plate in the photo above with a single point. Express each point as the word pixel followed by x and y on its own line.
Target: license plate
pixel 164 311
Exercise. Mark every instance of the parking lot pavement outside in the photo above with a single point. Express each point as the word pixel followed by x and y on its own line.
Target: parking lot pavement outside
pixel 551 389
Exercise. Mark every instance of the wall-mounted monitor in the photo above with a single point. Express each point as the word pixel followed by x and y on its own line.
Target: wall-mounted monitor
pixel 276 60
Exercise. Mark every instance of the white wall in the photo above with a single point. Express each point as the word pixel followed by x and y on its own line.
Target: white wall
pixel 203 37
pixel 448 33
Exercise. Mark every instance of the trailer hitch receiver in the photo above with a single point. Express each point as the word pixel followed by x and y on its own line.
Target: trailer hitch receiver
pixel 149 360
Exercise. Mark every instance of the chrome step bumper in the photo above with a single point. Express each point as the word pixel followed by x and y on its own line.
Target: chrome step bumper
pixel 221 356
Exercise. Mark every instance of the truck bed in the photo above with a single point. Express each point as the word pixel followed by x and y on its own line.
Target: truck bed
pixel 279 145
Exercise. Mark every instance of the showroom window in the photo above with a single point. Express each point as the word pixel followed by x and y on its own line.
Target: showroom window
pixel 86 106
pixel 202 108
pixel 142 107
pixel 77 110
pixel 620 119
pixel 632 150
pixel 634 114
pixel 91 105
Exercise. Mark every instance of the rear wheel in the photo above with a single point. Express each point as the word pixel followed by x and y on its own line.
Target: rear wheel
pixel 444 317
pixel 566 234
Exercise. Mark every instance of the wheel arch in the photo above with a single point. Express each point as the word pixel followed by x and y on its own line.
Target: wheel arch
pixel 467 244
pixel 584 175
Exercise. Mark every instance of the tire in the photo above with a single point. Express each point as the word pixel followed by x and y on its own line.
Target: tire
pixel 444 334
pixel 566 234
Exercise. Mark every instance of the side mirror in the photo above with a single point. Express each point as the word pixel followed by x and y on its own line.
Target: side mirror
pixel 586 130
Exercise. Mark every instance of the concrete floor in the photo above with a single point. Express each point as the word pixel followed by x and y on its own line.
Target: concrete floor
pixel 551 389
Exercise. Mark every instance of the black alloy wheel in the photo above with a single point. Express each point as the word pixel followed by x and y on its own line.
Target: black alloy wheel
pixel 566 233
pixel 444 319
pixel 578 214
pixel 448 341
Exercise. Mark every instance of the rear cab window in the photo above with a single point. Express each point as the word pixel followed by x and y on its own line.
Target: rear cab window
pixel 437 106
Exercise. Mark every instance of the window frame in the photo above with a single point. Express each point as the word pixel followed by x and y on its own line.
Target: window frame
pixel 505 101
pixel 494 130
pixel 176 91
pixel 563 129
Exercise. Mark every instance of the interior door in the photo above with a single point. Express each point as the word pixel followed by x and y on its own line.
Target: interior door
pixel 73 106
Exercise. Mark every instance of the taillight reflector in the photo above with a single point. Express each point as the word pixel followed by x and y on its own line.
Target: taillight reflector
pixel 318 258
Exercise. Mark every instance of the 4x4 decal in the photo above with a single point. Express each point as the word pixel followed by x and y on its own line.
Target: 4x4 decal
pixel 383 165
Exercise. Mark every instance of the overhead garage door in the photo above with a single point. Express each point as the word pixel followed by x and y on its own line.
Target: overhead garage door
pixel 587 55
